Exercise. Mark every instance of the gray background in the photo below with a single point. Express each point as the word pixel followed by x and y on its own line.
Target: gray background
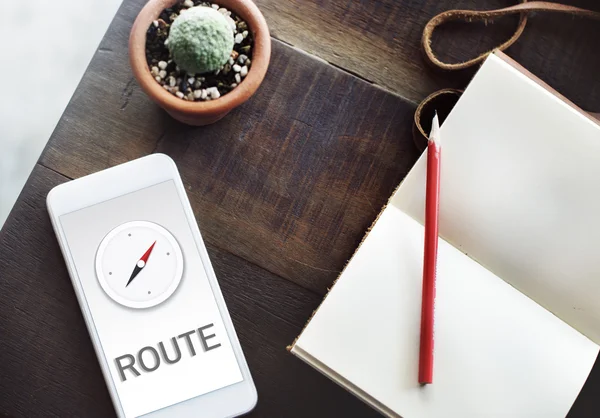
pixel 47 47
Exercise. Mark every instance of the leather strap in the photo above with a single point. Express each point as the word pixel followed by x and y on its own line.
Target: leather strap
pixel 444 100
pixel 523 9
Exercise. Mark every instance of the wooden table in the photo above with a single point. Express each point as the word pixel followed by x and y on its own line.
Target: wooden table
pixel 284 188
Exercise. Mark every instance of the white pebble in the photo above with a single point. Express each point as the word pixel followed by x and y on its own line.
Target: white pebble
pixel 172 81
pixel 245 34
pixel 215 6
pixel 214 93
pixel 157 78
pixel 154 71
pixel 223 11
pixel 155 23
pixel 188 3
pixel 231 23
pixel 162 73
pixel 197 94
pixel 233 85
pixel 191 80
pixel 239 38
pixel 237 68
pixel 218 71
pixel 244 71
pixel 238 79
pixel 231 61
pixel 204 94
pixel 166 87
pixel 162 65
pixel 179 94
pixel 242 58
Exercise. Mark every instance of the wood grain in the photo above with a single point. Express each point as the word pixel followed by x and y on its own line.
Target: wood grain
pixel 380 41
pixel 283 188
pixel 48 365
pixel 290 181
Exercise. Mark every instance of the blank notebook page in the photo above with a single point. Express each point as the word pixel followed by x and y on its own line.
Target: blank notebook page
pixel 520 191
pixel 498 353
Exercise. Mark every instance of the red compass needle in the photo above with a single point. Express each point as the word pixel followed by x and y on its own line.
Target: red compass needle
pixel 141 263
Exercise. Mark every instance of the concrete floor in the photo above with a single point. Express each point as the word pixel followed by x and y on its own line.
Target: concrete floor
pixel 47 45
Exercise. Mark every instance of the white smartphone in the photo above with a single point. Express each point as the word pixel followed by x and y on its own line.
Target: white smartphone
pixel 148 293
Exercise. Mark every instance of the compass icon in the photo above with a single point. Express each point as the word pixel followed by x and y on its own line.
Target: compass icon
pixel 139 264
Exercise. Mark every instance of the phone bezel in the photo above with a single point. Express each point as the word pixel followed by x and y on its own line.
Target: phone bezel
pixel 111 183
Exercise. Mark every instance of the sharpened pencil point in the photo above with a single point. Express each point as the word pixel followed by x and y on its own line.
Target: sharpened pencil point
pixel 434 135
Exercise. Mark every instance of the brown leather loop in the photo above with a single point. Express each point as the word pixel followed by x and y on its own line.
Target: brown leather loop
pixel 442 101
pixel 472 15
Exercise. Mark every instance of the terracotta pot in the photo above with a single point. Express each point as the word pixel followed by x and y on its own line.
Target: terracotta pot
pixel 201 113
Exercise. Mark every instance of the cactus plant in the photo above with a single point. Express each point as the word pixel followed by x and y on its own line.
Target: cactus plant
pixel 200 40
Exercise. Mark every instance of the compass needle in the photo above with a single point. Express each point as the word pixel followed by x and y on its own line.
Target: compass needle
pixel 141 263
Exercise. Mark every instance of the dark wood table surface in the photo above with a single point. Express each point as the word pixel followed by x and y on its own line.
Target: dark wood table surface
pixel 283 188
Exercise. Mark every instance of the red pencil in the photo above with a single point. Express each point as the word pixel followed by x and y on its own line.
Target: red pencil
pixel 432 198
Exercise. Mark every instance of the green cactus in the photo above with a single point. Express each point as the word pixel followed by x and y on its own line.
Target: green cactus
pixel 200 40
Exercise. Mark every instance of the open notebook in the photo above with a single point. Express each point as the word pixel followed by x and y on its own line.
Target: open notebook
pixel 518 288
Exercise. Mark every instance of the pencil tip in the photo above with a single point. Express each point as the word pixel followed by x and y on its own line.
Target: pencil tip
pixel 434 135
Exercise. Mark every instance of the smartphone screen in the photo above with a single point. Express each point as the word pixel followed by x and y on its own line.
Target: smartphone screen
pixel 151 303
